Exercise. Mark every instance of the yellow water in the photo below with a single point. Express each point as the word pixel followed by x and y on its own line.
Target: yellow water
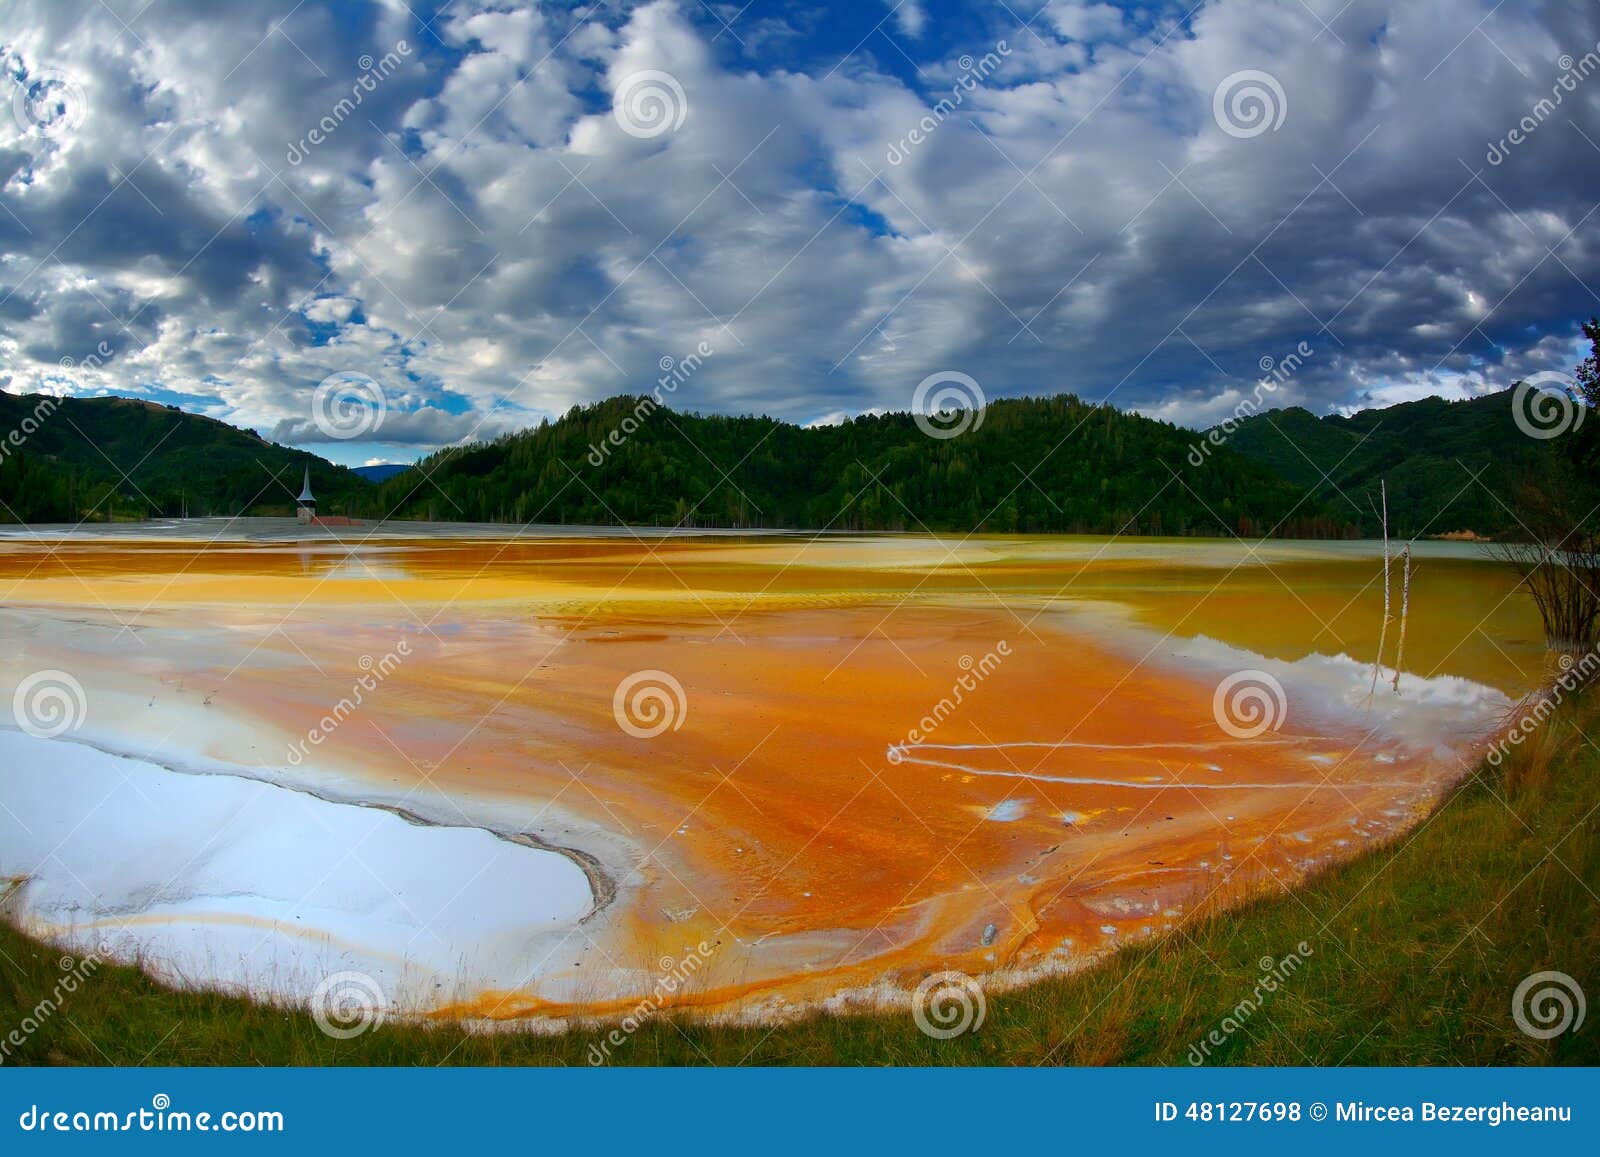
pixel 797 810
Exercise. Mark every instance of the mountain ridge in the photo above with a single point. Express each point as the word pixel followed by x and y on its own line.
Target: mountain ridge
pixel 113 457
pixel 1039 464
pixel 1449 466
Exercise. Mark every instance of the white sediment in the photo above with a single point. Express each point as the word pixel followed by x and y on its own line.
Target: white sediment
pixel 1148 784
pixel 1439 716
pixel 1435 717
pixel 1432 722
pixel 223 881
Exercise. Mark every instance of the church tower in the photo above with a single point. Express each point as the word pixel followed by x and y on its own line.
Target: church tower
pixel 306 511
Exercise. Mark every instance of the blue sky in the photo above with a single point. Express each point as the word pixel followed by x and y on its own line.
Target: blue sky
pixel 1139 203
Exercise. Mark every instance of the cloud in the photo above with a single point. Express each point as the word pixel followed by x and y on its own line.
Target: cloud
pixel 424 426
pixel 840 417
pixel 488 239
pixel 1080 21
pixel 908 16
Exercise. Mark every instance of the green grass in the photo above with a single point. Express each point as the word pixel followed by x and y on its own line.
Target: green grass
pixel 1416 951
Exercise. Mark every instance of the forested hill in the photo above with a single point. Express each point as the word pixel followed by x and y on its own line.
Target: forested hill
pixel 1428 451
pixel 94 459
pixel 1033 465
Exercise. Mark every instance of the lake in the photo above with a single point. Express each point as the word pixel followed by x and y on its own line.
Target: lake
pixel 522 777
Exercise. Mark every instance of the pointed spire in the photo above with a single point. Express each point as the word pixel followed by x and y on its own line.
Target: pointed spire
pixel 305 490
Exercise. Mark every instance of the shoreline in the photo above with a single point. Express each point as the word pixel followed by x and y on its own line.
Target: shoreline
pixel 509 702
pixel 1389 919
pixel 883 996
pixel 255 530
pixel 759 1002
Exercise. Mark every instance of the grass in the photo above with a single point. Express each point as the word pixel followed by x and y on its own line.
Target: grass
pixel 1416 951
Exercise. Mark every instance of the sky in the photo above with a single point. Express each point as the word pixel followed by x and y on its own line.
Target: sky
pixel 373 229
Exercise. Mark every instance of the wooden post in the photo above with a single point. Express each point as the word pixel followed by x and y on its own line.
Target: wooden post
pixel 1405 607
pixel 1383 631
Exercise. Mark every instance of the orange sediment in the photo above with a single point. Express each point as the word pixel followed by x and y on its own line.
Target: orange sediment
pixel 888 757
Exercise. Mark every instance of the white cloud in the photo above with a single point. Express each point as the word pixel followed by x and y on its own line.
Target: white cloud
pixel 840 417
pixel 485 240
pixel 908 16
pixel 1083 21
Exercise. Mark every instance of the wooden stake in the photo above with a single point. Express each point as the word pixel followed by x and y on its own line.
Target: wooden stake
pixel 1405 607
pixel 1383 631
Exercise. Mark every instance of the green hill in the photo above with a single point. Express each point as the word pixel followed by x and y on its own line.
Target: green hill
pixel 1043 465
pixel 1033 465
pixel 98 459
pixel 1428 451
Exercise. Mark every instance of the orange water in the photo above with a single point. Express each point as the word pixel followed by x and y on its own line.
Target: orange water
pixel 774 819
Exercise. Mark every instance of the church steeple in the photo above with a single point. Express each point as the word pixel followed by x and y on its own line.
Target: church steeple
pixel 306 509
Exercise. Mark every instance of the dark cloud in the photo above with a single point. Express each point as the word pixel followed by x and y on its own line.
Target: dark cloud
pixel 497 243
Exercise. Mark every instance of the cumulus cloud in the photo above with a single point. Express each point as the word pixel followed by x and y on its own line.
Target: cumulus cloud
pixel 908 16
pixel 489 233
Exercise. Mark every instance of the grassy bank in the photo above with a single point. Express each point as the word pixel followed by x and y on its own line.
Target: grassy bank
pixel 1415 952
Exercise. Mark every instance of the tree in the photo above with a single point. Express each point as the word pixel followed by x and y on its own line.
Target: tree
pixel 1587 373
pixel 1559 506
